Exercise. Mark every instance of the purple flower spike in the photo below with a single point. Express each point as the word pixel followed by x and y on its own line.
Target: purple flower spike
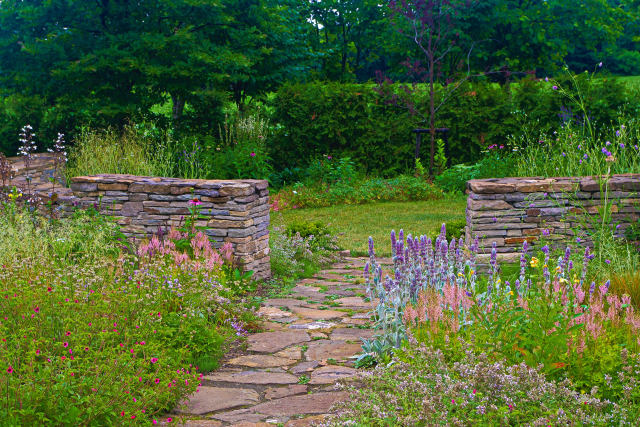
pixel 371 253
pixel 366 271
pixel 401 236
pixel 443 230
pixel 393 242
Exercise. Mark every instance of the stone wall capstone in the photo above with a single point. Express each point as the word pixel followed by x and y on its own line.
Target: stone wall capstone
pixel 509 211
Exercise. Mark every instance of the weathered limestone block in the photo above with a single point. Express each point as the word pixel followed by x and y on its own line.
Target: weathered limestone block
pixel 487 205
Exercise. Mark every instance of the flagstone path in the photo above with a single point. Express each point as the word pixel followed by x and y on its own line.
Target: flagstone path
pixel 287 375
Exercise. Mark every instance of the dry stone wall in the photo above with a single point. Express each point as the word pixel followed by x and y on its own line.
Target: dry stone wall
pixel 510 211
pixel 235 211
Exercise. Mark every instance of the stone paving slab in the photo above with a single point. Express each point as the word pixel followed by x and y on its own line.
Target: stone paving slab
pixel 326 349
pixel 261 361
pixel 210 399
pixel 252 377
pixel 268 342
pixel 316 403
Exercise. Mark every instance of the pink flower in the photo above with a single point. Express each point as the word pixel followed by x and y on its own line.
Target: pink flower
pixel 10 370
pixel 37 309
pixel 154 359
pixel 155 422
pixel 133 416
pixel 253 154
pixel 67 333
pixel 72 374
pixel 37 351
pixel 169 419
pixel 65 344
pixel 157 381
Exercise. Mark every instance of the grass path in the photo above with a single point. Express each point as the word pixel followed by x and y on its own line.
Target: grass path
pixel 355 223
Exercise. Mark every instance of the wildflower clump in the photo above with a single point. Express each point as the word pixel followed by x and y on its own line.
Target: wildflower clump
pixel 548 314
pixel 95 334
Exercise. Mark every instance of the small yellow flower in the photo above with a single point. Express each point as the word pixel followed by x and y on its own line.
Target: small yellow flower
pixel 460 274
pixel 563 280
pixel 558 269
pixel 511 293
pixel 534 262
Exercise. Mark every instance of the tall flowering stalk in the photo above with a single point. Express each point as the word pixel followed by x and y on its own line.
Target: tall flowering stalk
pixel 419 264
pixel 27 150
pixel 548 318
pixel 59 160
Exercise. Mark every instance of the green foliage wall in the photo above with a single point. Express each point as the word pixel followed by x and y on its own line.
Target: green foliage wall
pixel 347 120
pixel 319 118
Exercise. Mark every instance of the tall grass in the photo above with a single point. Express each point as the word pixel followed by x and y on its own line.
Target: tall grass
pixel 575 151
pixel 126 152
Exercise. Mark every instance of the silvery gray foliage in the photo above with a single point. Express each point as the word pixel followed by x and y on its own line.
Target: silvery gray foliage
pixel 419 263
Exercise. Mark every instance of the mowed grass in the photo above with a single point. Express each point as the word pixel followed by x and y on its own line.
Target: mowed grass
pixel 355 223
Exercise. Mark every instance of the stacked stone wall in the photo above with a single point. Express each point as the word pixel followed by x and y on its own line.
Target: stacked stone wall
pixel 510 211
pixel 235 211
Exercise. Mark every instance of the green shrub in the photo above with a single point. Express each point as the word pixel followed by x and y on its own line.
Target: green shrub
pixel 241 150
pixel 300 249
pixel 366 190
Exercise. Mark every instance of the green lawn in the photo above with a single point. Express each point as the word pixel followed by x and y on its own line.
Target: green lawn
pixel 355 223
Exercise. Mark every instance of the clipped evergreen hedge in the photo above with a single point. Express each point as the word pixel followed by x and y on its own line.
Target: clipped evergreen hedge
pixel 351 120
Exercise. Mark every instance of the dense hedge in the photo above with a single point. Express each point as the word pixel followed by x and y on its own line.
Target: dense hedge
pixel 352 120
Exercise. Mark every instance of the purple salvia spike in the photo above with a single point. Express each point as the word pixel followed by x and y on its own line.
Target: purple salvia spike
pixel 371 253
pixel 443 230
pixel 393 242
pixel 401 236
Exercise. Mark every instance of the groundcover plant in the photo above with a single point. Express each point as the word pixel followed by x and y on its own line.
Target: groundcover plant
pixel 549 328
pixel 94 332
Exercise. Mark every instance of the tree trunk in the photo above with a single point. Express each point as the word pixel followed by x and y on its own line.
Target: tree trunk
pixel 178 107
pixel 432 118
